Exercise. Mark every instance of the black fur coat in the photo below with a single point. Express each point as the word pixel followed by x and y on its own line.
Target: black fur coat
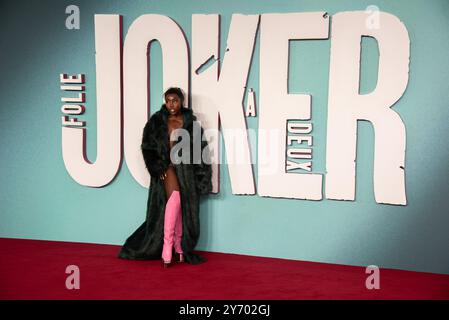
pixel 194 180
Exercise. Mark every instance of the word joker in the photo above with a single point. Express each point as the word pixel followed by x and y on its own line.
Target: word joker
pixel 217 93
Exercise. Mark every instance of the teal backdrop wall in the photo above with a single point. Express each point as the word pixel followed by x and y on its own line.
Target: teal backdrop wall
pixel 39 200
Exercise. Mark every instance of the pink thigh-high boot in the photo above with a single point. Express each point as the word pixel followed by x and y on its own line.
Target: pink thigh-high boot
pixel 178 234
pixel 172 227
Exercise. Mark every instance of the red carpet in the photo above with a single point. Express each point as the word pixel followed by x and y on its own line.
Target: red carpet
pixel 33 269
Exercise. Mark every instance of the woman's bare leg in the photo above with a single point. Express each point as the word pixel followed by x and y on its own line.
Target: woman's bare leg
pixel 171 182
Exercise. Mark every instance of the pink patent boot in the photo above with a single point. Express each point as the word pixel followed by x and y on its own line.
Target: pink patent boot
pixel 172 208
pixel 179 257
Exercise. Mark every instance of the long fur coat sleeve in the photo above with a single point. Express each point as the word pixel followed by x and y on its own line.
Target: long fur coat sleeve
pixel 194 180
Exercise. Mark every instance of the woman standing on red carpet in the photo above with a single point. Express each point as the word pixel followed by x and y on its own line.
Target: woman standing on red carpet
pixel 171 229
